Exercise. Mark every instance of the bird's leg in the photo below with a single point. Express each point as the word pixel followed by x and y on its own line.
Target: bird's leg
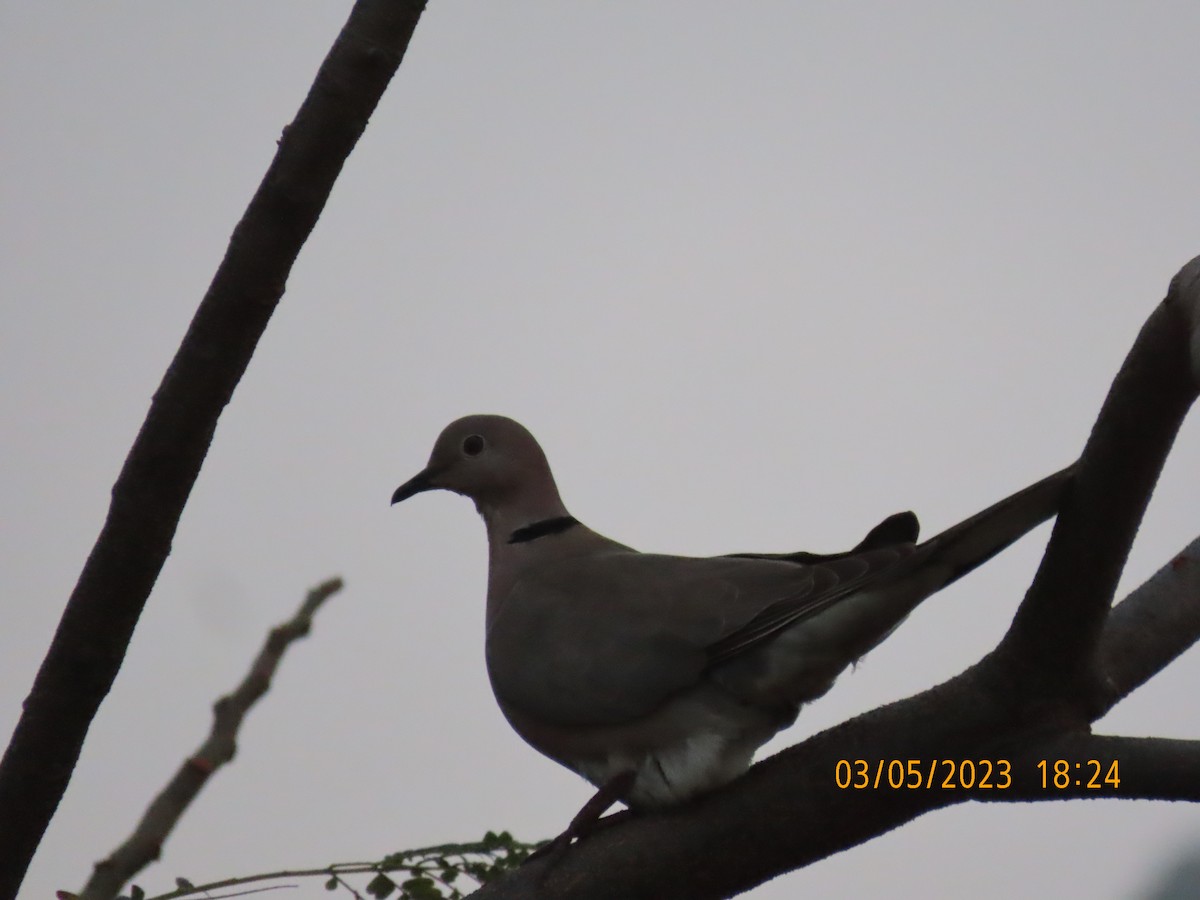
pixel 585 821
pixel 588 819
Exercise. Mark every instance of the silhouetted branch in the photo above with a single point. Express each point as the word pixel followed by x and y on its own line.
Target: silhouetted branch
pixel 1092 766
pixel 145 844
pixel 444 868
pixel 162 465
pixel 1058 625
pixel 1151 627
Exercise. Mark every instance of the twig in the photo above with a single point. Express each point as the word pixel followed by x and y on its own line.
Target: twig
pixel 479 860
pixel 145 844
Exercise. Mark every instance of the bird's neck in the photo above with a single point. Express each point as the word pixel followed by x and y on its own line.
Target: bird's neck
pixel 524 516
pixel 524 531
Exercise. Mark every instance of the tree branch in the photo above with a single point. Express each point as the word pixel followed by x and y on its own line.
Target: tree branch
pixel 1055 632
pixel 145 844
pixel 1151 627
pixel 162 465
pixel 1146 769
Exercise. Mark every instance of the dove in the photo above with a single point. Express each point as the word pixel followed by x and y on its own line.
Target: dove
pixel 657 677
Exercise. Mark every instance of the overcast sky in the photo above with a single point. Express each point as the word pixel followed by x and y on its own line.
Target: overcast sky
pixel 756 274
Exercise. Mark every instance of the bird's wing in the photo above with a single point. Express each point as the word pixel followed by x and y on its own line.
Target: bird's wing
pixel 606 639
pixel 833 580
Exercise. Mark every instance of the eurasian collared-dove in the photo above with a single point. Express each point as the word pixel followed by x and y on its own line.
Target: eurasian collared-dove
pixel 661 675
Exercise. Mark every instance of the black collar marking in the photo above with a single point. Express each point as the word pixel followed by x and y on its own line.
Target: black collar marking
pixel 536 530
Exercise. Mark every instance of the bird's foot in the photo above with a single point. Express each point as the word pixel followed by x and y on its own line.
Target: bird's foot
pixel 589 819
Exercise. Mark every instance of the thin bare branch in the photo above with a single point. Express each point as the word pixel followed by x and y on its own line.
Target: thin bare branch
pixel 145 844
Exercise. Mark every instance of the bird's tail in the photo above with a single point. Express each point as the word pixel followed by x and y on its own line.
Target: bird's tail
pixel 974 541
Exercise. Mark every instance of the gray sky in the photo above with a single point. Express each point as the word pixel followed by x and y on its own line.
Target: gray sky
pixel 756 275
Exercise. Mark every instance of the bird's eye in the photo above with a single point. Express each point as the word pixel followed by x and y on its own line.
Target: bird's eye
pixel 472 445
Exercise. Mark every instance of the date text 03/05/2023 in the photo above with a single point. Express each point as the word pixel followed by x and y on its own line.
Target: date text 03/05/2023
pixel 972 774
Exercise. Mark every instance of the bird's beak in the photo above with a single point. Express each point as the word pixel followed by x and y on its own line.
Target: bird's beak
pixel 422 481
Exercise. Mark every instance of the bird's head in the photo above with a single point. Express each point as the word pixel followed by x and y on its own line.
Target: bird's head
pixel 493 460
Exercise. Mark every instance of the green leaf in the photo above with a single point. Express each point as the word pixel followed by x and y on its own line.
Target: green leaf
pixel 332 883
pixel 183 884
pixel 478 871
pixel 381 886
pixel 421 889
